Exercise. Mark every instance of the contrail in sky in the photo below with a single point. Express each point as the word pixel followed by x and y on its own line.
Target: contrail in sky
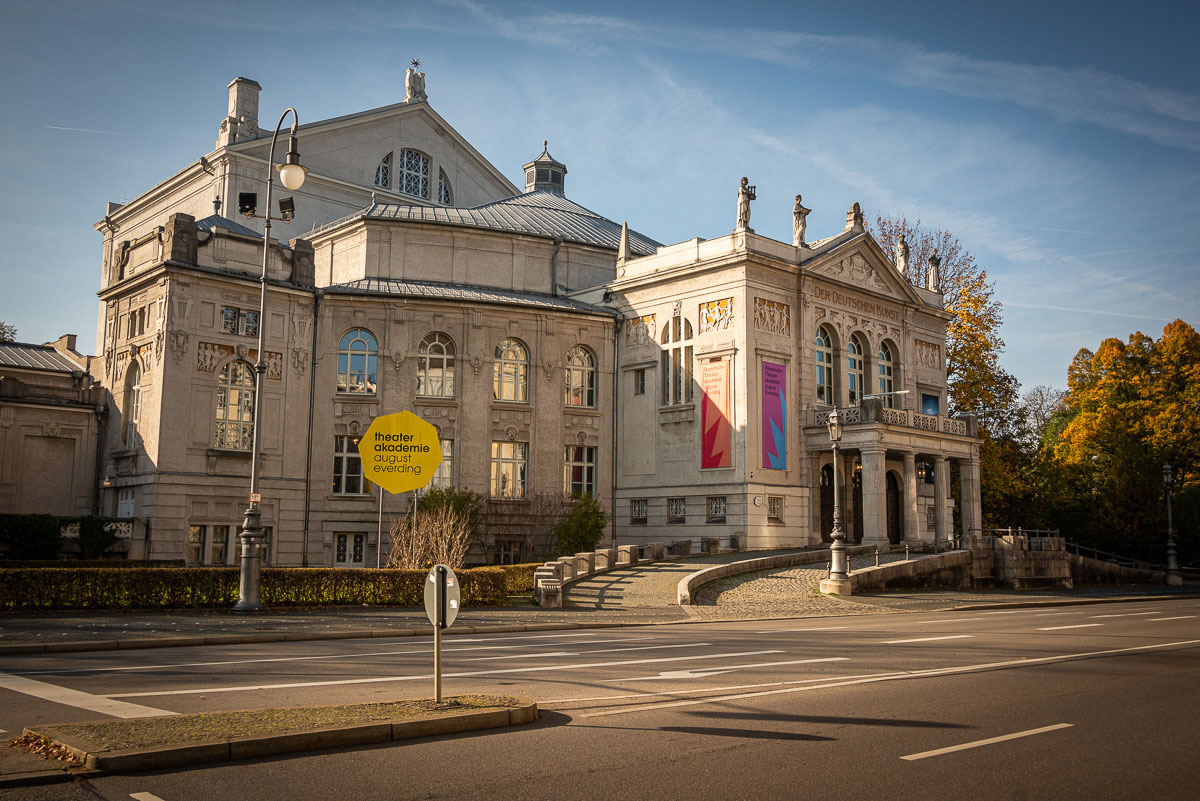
pixel 81 130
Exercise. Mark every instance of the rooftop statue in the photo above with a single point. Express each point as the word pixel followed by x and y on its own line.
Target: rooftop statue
pixel 746 193
pixel 902 256
pixel 933 278
pixel 799 222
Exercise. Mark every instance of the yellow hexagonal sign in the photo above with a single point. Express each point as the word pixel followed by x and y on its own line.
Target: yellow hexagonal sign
pixel 400 452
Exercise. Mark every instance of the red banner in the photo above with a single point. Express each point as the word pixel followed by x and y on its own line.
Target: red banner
pixel 715 430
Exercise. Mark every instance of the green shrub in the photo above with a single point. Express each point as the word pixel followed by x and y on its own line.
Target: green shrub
pixel 217 587
pixel 29 536
pixel 94 539
pixel 518 579
pixel 465 503
pixel 583 527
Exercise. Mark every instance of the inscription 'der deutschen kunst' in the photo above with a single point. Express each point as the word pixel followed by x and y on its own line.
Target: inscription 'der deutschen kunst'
pixel 856 304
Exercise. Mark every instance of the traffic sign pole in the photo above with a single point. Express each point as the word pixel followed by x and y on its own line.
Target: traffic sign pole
pixel 443 597
pixel 438 625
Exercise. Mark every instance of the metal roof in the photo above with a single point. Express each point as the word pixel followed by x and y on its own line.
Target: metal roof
pixel 538 213
pixel 217 221
pixel 35 357
pixel 465 294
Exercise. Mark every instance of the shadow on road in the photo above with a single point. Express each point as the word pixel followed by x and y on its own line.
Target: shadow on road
pixel 923 724
pixel 746 734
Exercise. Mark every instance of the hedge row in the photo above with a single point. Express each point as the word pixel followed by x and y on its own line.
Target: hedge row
pixel 518 579
pixel 6 564
pixel 217 587
pixel 29 536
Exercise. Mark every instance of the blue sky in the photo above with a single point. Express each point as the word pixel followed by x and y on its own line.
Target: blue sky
pixel 1059 141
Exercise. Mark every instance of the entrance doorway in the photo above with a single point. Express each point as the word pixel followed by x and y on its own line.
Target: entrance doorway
pixel 895 528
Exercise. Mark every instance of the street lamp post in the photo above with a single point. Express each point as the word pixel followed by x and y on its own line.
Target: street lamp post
pixel 1174 579
pixel 839 578
pixel 291 175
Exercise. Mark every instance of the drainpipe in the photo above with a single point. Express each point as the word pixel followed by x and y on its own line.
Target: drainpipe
pixel 312 400
pixel 554 266
pixel 99 410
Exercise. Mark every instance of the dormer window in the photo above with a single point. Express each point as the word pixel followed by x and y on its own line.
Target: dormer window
pixel 383 173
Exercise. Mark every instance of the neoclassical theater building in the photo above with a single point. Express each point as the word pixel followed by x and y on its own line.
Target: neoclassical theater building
pixel 685 386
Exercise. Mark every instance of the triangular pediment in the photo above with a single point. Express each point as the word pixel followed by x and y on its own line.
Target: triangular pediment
pixel 860 263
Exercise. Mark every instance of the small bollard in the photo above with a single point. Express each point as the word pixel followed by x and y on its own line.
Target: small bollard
pixel 876 556
pixel 906 552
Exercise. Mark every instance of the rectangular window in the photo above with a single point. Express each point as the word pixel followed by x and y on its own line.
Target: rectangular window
pixel 676 510
pixel 349 550
pixel 930 404
pixel 196 539
pixel 580 470
pixel 444 477
pixel 716 509
pixel 348 476
pixel 639 382
pixel 508 552
pixel 236 321
pixel 775 508
pixel 508 469
pixel 220 545
pixel 637 510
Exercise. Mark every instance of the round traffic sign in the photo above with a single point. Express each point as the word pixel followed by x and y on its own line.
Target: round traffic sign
pixel 452 595
pixel 400 452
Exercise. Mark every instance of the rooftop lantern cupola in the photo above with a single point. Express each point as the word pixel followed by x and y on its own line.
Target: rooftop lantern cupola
pixel 545 173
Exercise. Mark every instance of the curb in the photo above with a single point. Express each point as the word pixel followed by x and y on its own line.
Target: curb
pixel 143 759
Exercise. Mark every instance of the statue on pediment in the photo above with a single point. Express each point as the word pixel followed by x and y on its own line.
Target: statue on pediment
pixel 746 193
pixel 799 222
pixel 902 255
pixel 933 278
pixel 414 84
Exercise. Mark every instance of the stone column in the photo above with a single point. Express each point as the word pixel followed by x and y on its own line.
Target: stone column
pixel 969 487
pixel 941 492
pixel 911 524
pixel 844 473
pixel 874 483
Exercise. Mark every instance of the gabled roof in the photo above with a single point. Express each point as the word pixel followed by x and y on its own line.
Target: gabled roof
pixel 464 293
pixel 35 357
pixel 537 213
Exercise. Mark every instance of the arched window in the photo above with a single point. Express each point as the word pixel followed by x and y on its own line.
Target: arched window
pixel 383 173
pixel 445 196
pixel 854 370
pixel 581 378
pixel 133 400
pixel 510 375
pixel 677 361
pixel 235 407
pixel 435 366
pixel 357 355
pixel 414 174
pixel 884 363
pixel 824 366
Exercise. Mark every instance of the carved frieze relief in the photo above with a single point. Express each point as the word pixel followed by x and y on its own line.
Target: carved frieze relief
pixel 772 317
pixel 716 315
pixel 640 331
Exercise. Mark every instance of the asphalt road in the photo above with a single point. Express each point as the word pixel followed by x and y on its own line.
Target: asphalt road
pixel 1089 702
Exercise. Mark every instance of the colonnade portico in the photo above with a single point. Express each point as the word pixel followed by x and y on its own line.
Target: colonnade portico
pixel 889 461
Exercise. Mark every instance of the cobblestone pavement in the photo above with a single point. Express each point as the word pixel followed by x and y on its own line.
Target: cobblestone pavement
pixel 784 592
pixel 652 586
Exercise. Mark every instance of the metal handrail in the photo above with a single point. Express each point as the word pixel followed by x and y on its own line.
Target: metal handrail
pixel 1113 558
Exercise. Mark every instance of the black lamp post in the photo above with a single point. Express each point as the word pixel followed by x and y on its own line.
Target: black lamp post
pixel 839 578
pixel 1174 578
pixel 291 175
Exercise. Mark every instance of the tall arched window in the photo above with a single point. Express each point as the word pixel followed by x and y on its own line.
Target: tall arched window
pixel 510 375
pixel 854 370
pixel 581 378
pixel 357 356
pixel 824 366
pixel 884 364
pixel 235 407
pixel 445 195
pixel 133 400
pixel 383 173
pixel 414 174
pixel 435 366
pixel 677 361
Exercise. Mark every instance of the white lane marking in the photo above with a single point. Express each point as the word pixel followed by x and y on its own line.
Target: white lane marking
pixel 701 673
pixel 466 674
pixel 927 639
pixel 988 741
pixel 1130 614
pixel 144 797
pixel 849 680
pixel 1076 626
pixel 1052 614
pixel 947 620
pixel 580 653
pixel 1181 617
pixel 725 688
pixel 780 631
pixel 324 657
pixel 81 700
pixel 1009 612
